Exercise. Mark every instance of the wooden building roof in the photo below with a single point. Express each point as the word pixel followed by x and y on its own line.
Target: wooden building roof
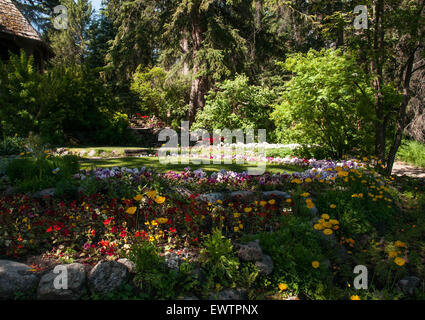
pixel 12 22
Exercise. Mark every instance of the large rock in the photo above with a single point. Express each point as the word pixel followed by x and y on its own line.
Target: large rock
pixel 16 278
pixel 276 194
pixel 265 266
pixel 229 294
pixel 409 284
pixel 131 266
pixel 76 275
pixel 244 196
pixel 250 252
pixel 212 197
pixel 44 193
pixel 107 276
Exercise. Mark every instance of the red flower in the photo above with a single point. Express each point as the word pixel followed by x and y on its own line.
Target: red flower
pixel 114 229
pixel 123 234
pixel 93 233
pixel 187 218
pixel 172 229
pixel 50 229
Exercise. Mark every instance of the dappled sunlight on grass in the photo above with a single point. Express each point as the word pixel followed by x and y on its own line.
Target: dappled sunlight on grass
pixel 153 162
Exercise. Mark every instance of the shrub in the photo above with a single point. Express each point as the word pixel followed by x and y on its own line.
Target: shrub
pixel 60 105
pixel 413 152
pixel 32 174
pixel 237 105
pixel 165 97
pixel 12 145
pixel 327 102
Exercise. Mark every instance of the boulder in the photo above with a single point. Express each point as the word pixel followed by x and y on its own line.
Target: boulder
pixel 229 294
pixel 107 276
pixel 244 196
pixel 250 252
pixel 409 284
pixel 276 194
pixel 212 197
pixel 44 193
pixel 15 278
pixel 265 266
pixel 76 275
pixel 131 266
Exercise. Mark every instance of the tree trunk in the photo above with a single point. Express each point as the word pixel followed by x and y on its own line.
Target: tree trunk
pixel 199 83
pixel 376 69
pixel 402 116
pixel 184 44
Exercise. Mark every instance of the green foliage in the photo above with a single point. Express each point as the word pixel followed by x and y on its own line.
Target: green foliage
pixel 33 174
pixel 217 257
pixel 236 105
pixel 12 145
pixel 166 98
pixel 62 104
pixel 70 44
pixel 412 152
pixel 293 248
pixel 154 279
pixel 327 102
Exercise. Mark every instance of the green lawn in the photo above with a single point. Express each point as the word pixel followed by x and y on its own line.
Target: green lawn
pixel 153 162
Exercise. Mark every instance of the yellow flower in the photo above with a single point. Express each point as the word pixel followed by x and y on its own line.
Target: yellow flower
pixel 263 203
pixel 154 223
pixel 327 224
pixel 236 229
pixel 305 194
pixel 272 201
pixel 325 216
pixel 131 210
pixel 236 214
pixel 315 264
pixel 310 204
pixel 247 210
pixel 392 254
pixel 334 221
pixel 354 298
pixel 283 286
pixel 332 206
pixel 399 261
pixel 138 197
pixel 342 174
pixel 219 201
pixel 308 180
pixel 159 199
pixel 162 220
pixel 240 226
pixel 327 232
pixel 297 181
pixel 400 244
pixel 318 226
pixel 289 200
pixel 151 194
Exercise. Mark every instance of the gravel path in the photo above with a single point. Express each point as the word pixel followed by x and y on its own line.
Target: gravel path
pixel 401 169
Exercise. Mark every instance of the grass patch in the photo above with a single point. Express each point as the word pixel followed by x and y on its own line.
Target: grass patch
pixel 153 162
pixel 412 152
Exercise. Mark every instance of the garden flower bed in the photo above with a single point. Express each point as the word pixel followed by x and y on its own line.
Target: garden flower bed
pixel 314 227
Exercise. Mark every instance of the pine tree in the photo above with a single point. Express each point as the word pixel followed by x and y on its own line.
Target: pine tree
pixel 70 44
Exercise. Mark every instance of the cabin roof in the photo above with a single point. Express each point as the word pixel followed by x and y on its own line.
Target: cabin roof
pixel 14 23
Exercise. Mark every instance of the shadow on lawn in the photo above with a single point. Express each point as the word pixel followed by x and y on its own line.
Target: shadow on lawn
pixel 150 162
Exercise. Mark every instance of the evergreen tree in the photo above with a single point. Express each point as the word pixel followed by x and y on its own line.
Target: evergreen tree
pixel 70 44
